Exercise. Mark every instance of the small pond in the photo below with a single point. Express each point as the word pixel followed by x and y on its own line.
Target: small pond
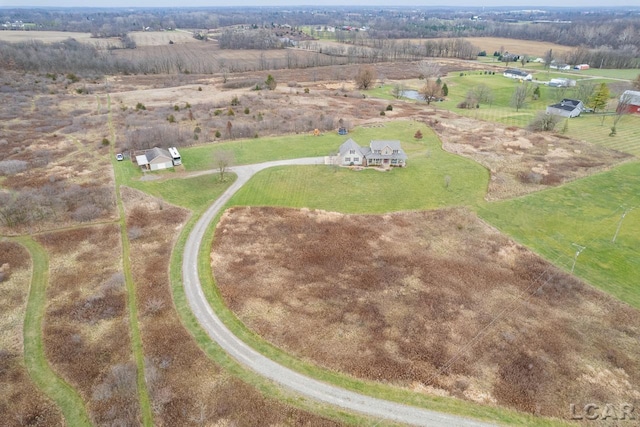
pixel 411 94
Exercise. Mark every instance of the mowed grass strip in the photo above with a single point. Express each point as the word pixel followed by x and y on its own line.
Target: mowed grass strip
pixel 43 376
pixel 585 212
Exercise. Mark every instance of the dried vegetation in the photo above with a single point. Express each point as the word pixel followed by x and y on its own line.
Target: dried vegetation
pixel 399 298
pixel 186 387
pixel 521 161
pixel 21 402
pixel 86 334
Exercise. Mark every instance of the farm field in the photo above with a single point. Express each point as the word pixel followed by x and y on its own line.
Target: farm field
pixel 118 334
pixel 54 36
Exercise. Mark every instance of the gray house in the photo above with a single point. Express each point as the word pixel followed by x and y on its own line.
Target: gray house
pixel 155 159
pixel 379 153
pixel 566 108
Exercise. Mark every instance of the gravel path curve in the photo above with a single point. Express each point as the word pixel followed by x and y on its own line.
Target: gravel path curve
pixel 249 357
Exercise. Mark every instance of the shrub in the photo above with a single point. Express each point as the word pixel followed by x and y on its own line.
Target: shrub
pixel 292 84
pixel 306 90
pixel 171 118
pixel 217 112
pixel 197 129
pixel 218 134
pixel 235 101
pixel 271 82
pixel 176 108
pixel 389 107
pixel 199 88
pixel 187 105
pixel 418 134
pixel 246 110
pixel 140 106
pixel 382 113
pixel 105 142
pixel 230 112
pixel 73 78
pixel 543 122
pixel 12 167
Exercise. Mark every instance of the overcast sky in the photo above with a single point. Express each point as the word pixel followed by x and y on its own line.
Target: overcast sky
pixel 214 3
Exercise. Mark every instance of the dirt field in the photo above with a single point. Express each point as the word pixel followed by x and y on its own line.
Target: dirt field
pixel 521 47
pixel 185 386
pixel 21 402
pixel 398 298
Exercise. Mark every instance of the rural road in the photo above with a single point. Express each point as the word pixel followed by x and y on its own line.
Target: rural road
pixel 249 357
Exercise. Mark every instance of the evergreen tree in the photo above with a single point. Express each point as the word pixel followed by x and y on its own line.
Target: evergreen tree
pixel 445 90
pixel 600 97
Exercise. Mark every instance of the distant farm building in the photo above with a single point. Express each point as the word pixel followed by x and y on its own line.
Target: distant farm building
pixel 581 67
pixel 559 66
pixel 566 108
pixel 513 73
pixel 562 82
pixel 629 102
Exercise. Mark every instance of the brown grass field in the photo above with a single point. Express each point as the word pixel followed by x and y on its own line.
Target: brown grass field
pixel 186 388
pixel 520 161
pixel 86 337
pixel 21 402
pixel 397 298
pixel 523 47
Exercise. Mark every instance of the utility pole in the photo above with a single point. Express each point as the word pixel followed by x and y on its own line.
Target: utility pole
pixel 615 236
pixel 578 251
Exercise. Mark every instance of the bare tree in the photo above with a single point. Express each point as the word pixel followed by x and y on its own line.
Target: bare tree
pixel 483 94
pixel 543 122
pixel 519 96
pixel 431 91
pixel 548 58
pixel 429 69
pixel 621 110
pixel 223 159
pixel 365 77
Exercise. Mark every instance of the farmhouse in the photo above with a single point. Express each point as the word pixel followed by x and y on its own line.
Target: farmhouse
pixel 629 102
pixel 155 159
pixel 559 66
pixel 561 82
pixel 379 153
pixel 566 108
pixel 513 73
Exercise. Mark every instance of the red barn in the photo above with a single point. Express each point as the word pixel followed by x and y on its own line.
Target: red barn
pixel 629 102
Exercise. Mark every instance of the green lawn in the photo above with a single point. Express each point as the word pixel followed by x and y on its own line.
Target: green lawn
pixel 421 185
pixel 585 212
pixel 251 151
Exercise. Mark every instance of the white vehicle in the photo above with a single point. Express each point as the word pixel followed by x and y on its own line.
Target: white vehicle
pixel 119 157
pixel 175 156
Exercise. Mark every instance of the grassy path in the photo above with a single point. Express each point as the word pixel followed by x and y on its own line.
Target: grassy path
pixel 43 376
pixel 134 328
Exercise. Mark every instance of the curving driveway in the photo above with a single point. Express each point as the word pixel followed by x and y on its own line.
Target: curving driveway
pixel 249 357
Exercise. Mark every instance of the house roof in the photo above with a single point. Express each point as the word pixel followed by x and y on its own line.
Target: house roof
pixel 567 104
pixel 380 144
pixel 157 154
pixel 631 96
pixel 349 144
pixel 516 72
